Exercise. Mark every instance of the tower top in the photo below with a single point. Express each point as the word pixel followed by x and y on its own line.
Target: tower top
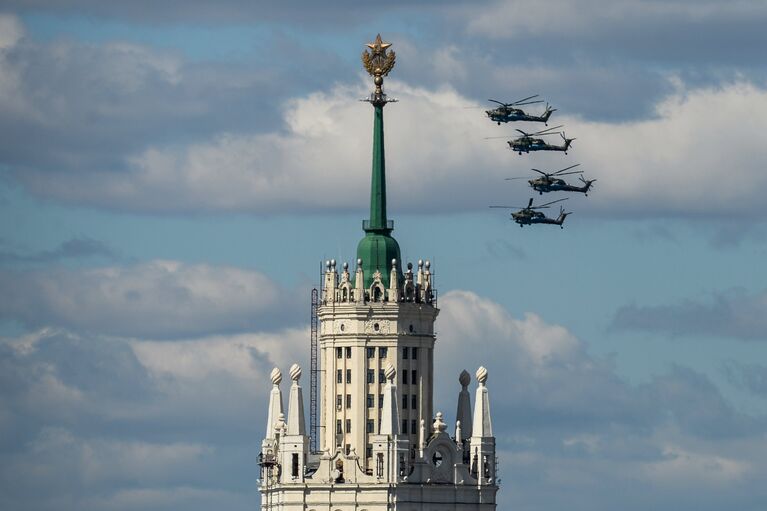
pixel 378 248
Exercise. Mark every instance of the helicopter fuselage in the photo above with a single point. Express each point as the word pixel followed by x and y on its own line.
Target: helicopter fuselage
pixel 542 185
pixel 500 115
pixel 528 144
pixel 527 217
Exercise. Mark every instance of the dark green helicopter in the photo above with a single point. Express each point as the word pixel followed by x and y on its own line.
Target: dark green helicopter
pixel 552 182
pixel 529 215
pixel 527 142
pixel 507 113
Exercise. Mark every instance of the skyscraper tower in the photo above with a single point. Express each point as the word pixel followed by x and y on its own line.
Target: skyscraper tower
pixel 381 445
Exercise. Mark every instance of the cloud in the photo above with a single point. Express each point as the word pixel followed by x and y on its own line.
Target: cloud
pixel 106 423
pixel 751 377
pixel 74 248
pixel 666 32
pixel 732 313
pixel 572 433
pixel 156 299
pixel 669 166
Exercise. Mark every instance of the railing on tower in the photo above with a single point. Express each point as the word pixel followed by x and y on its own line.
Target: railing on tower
pixel 314 425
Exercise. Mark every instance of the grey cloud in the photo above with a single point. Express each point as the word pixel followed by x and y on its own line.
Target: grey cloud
pixel 676 33
pixel 160 299
pixel 74 248
pixel 87 424
pixel 733 313
pixel 101 423
pixel 751 377
pixel 303 13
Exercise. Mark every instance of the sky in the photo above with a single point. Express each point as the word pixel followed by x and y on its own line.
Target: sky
pixel 173 173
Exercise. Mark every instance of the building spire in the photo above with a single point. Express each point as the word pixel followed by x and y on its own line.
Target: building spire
pixel 275 402
pixel 378 248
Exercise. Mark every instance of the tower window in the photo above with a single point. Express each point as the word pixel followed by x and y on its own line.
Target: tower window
pixel 414 402
pixel 404 402
pixel 413 427
pixel 339 401
pixel 415 354
pixel 383 352
pixel 405 353
pixel 348 352
pixel 348 400
pixel 404 427
pixel 348 376
pixel 381 376
pixel 371 352
pixel 414 377
pixel 339 376
pixel 339 353
pixel 348 425
pixel 404 376
pixel 370 401
pixel 380 400
pixel 370 426
pixel 294 465
pixel 339 431
pixel 371 376
pixel 369 451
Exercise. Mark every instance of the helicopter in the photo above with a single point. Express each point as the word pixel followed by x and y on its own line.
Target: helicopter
pixel 507 113
pixel 551 182
pixel 527 142
pixel 528 215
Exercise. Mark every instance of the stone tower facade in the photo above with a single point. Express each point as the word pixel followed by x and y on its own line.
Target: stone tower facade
pixel 382 447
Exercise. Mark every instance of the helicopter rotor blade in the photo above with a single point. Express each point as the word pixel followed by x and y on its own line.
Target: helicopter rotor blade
pixel 491 138
pixel 513 178
pixel 566 168
pixel 547 130
pixel 524 133
pixel 569 173
pixel 506 207
pixel 496 101
pixel 527 103
pixel 524 99
pixel 552 202
pixel 530 204
pixel 540 172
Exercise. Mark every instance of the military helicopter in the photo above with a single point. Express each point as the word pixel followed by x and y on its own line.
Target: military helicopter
pixel 528 215
pixel 551 182
pixel 507 113
pixel 527 142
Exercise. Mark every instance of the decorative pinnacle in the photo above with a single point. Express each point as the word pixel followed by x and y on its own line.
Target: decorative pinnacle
pixel 482 376
pixel 295 372
pixel 464 379
pixel 276 376
pixel 390 373
pixel 378 62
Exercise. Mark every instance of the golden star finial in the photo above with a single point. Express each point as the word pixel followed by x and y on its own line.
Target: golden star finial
pixel 378 45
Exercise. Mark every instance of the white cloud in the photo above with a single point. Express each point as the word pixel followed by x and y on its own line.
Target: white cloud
pixel 693 159
pixel 154 299
pixel 234 355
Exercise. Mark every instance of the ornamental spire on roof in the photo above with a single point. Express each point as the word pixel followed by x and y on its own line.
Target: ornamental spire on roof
pixel 377 249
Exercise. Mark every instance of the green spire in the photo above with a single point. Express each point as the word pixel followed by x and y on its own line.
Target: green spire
pixel 378 181
pixel 378 248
